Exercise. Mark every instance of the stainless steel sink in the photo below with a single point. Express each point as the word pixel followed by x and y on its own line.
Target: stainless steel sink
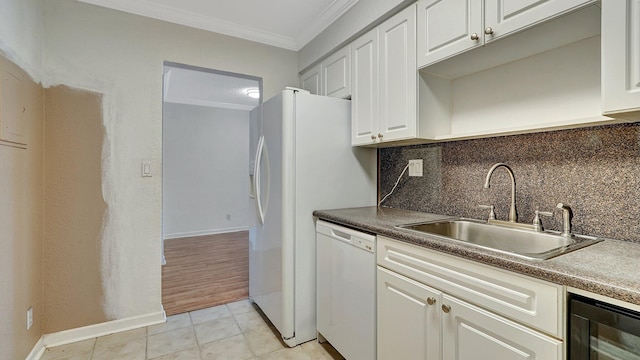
pixel 524 243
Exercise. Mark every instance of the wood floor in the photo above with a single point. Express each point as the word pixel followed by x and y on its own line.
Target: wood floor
pixel 205 271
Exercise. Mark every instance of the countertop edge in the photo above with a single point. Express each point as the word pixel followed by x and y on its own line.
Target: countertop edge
pixel 563 270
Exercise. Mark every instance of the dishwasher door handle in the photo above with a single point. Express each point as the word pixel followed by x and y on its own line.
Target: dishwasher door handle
pixel 341 235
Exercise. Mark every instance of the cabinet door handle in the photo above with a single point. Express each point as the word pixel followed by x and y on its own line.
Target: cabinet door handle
pixel 475 36
pixel 380 135
pixel 488 30
pixel 446 308
pixel 373 137
pixel 431 301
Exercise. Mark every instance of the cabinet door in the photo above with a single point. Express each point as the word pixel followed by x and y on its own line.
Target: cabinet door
pixel 12 108
pixel 408 318
pixel 336 74
pixel 530 301
pixel 364 89
pixel 311 80
pixel 508 16
pixel 471 333
pixel 621 58
pixel 446 28
pixel 398 76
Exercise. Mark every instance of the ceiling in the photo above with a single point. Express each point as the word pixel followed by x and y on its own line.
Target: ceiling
pixel 289 24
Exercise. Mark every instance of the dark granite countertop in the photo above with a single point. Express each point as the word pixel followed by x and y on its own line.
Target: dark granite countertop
pixel 610 268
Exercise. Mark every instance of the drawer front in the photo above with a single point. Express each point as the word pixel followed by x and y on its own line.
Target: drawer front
pixel 529 301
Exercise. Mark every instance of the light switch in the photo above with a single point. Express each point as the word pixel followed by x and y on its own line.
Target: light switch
pixel 146 169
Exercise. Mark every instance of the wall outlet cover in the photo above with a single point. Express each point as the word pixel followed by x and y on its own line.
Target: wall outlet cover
pixel 415 167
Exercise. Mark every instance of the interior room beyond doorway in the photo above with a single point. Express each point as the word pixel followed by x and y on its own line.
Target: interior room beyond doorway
pixel 206 115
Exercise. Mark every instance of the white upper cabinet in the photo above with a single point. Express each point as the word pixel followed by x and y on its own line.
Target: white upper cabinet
pixel 311 80
pixel 449 27
pixel 336 74
pixel 331 77
pixel 504 17
pixel 493 67
pixel 547 77
pixel 364 98
pixel 621 58
pixel 384 81
pixel 398 77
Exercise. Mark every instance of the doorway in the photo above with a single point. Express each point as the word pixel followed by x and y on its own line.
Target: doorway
pixel 206 186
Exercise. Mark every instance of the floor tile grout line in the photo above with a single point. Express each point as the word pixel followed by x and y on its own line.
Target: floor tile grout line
pixel 242 332
pixel 146 342
pixel 193 327
pixel 93 348
pixel 245 310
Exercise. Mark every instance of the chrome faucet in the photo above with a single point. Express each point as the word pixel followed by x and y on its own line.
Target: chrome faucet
pixel 513 216
pixel 566 219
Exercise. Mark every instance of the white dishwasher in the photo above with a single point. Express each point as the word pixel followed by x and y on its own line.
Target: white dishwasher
pixel 346 290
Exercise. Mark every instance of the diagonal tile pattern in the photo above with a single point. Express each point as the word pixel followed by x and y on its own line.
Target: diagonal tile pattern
pixel 235 331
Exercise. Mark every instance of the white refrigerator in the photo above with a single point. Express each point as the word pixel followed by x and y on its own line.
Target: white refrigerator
pixel 303 161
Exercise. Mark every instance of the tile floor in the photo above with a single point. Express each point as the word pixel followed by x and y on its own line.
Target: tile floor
pixel 235 331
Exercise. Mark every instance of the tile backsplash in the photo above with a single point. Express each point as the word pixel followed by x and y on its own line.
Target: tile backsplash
pixel 596 171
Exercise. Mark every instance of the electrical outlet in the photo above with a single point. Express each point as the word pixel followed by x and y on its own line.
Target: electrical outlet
pixel 29 318
pixel 415 167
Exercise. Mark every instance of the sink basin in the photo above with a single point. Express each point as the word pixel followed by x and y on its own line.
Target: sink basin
pixel 519 242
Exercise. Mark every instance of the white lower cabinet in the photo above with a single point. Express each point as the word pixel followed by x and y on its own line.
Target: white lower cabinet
pixel 472 333
pixel 408 318
pixel 426 309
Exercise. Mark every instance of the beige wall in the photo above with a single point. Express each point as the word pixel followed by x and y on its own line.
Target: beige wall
pixel 105 267
pixel 121 56
pixel 21 208
pixel 74 209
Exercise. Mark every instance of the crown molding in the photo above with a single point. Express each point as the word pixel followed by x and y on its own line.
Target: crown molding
pixel 177 16
pixel 320 23
pixel 198 21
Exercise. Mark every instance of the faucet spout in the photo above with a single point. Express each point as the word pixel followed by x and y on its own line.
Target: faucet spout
pixel 513 215
pixel 567 214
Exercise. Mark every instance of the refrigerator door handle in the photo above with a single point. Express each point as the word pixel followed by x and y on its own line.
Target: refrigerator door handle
pixel 258 178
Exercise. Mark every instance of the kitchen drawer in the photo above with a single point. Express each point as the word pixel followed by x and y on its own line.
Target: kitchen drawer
pixel 530 301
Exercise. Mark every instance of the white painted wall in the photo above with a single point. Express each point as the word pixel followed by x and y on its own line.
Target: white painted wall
pixel 21 34
pixel 359 17
pixel 121 56
pixel 205 170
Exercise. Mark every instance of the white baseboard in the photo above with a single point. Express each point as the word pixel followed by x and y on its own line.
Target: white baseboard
pixel 204 232
pixel 105 328
pixel 37 351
